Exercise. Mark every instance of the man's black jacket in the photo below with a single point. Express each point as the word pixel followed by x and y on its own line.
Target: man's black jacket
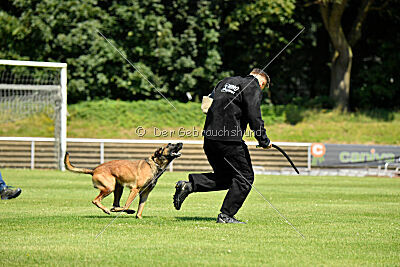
pixel 236 103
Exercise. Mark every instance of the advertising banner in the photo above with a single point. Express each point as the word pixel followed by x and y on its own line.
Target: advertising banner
pixel 332 155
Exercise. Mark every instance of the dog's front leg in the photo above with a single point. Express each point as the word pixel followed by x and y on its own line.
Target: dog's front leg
pixel 131 197
pixel 117 194
pixel 142 201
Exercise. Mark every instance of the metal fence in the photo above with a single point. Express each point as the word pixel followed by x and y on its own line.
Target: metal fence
pixel 38 153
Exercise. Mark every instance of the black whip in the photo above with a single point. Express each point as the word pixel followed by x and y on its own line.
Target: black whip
pixel 286 156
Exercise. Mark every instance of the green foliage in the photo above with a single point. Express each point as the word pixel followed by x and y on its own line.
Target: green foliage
pixel 254 33
pixel 180 46
pixel 378 84
pixel 273 114
pixel 174 46
pixel 293 114
pixel 187 46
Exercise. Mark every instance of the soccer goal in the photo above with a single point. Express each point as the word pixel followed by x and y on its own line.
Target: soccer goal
pixel 31 88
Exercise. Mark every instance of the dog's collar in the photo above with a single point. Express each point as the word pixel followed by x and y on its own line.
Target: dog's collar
pixel 157 165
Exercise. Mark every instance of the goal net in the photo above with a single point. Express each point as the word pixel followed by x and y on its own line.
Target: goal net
pixel 29 89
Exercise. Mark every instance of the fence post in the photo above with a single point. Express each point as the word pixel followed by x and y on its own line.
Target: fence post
pixel 101 152
pixel 32 155
pixel 309 157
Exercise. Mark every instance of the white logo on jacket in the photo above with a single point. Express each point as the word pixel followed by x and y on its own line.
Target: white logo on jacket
pixel 229 88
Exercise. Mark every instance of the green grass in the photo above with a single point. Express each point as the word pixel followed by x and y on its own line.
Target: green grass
pixel 331 126
pixel 119 119
pixel 346 221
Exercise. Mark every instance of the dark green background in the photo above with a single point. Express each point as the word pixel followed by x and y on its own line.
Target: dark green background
pixel 187 46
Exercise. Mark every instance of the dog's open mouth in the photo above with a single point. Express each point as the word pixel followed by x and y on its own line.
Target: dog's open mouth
pixel 176 154
pixel 175 150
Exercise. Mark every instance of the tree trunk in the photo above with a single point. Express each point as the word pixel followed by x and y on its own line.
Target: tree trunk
pixel 342 55
pixel 332 11
pixel 340 77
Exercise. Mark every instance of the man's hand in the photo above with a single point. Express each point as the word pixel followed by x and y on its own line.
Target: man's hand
pixel 269 146
pixel 265 145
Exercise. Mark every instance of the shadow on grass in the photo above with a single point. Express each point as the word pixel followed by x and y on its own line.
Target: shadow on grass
pixel 113 214
pixel 108 217
pixel 196 219
pixel 207 219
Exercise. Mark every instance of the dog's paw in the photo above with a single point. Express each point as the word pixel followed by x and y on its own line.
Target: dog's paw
pixel 107 211
pixel 139 217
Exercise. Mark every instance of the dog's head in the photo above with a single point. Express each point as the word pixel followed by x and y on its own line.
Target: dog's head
pixel 167 153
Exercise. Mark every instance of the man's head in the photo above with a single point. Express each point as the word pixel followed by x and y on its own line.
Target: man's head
pixel 262 77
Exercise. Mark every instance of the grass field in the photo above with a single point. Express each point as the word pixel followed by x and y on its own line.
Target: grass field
pixel 119 119
pixel 346 221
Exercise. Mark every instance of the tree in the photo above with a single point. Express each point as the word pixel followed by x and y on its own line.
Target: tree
pixel 173 43
pixel 253 32
pixel 187 46
pixel 375 68
pixel 332 12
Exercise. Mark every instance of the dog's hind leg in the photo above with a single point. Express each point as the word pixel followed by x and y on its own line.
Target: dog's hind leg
pixel 99 198
pixel 106 185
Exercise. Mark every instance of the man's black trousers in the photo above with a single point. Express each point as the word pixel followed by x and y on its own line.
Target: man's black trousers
pixel 222 155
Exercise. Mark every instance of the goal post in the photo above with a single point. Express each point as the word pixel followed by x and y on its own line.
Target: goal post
pixel 25 92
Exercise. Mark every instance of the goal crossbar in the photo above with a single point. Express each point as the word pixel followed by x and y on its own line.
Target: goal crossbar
pixel 32 63
pixel 29 87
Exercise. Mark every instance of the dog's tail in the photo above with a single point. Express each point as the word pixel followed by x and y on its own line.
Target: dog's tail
pixel 71 168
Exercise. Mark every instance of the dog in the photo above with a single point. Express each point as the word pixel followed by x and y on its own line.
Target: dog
pixel 140 176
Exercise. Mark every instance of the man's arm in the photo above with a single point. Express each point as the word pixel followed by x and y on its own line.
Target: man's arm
pixel 211 95
pixel 252 107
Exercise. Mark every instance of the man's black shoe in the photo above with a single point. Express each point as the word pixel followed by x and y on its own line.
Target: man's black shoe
pixel 9 193
pixel 182 190
pixel 223 218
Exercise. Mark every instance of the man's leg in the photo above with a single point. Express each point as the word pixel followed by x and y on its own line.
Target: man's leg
pixel 242 172
pixel 225 157
pixel 220 178
pixel 2 183
pixel 205 182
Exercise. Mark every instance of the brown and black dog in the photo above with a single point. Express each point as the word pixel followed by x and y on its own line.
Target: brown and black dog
pixel 140 176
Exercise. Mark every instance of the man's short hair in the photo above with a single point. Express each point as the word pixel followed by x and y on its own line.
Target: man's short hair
pixel 262 73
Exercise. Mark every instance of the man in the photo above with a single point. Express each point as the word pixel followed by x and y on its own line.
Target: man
pixel 236 103
pixel 7 192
